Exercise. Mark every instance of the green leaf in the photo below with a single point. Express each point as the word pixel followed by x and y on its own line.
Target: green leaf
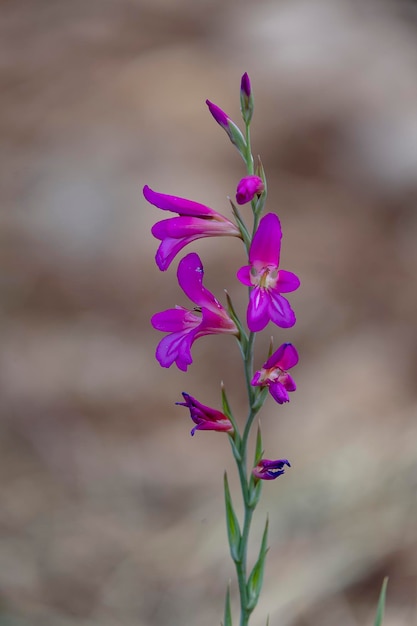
pixel 233 530
pixel 227 609
pixel 256 577
pixel 381 603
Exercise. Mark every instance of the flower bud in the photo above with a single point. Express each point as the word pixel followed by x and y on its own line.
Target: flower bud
pixel 246 99
pixel 230 127
pixel 247 188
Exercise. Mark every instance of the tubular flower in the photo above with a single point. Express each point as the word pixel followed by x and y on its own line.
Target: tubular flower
pixel 268 282
pixel 274 373
pixel 205 417
pixel 194 222
pixel 247 188
pixel 209 317
pixel 269 470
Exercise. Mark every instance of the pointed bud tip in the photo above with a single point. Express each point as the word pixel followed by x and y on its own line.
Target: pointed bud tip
pixel 245 85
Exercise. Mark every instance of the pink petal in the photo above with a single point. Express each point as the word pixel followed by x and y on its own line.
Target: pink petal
pixel 175 204
pixel 171 320
pixel 279 393
pixel 255 380
pixel 258 309
pixel 216 321
pixel 178 227
pixel 190 277
pixel 266 243
pixel 175 348
pixel 244 275
pixel 280 310
pixel 289 383
pixel 168 250
pixel 289 358
pixel 285 357
pixel 287 281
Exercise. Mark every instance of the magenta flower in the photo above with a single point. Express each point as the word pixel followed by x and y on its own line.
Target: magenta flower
pixel 194 222
pixel 205 417
pixel 269 470
pixel 209 317
pixel 268 282
pixel 247 188
pixel 274 373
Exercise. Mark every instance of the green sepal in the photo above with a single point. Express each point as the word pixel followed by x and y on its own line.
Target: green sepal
pixel 255 490
pixel 256 577
pixel 235 449
pixel 260 398
pixel 243 338
pixel 227 410
pixel 227 609
pixel 255 486
pixel 246 107
pixel 233 530
pixel 381 603
pixel 241 224
pixel 259 447
pixel 237 138
pixel 260 202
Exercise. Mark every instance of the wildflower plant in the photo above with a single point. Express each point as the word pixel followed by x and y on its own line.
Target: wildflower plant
pixel 266 283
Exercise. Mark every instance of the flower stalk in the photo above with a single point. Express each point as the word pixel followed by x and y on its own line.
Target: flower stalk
pixel 266 283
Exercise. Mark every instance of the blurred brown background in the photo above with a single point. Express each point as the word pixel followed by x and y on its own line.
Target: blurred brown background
pixel 110 513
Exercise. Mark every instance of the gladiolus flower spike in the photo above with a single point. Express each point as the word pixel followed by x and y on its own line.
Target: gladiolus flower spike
pixel 269 470
pixel 274 374
pixel 209 317
pixel 263 274
pixel 195 221
pixel 204 417
pixel 268 286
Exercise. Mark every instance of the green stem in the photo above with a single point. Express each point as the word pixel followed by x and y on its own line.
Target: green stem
pixel 241 565
pixel 241 462
pixel 249 157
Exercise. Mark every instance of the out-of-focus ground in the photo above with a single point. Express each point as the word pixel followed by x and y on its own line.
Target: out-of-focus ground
pixel 110 513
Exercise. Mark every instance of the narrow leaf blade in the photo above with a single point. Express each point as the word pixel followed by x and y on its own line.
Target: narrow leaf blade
pixel 381 603
pixel 233 530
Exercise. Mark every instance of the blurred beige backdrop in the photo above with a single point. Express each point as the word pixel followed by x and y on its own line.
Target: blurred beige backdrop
pixel 110 513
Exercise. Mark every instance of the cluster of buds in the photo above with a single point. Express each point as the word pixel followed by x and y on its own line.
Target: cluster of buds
pixel 267 283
